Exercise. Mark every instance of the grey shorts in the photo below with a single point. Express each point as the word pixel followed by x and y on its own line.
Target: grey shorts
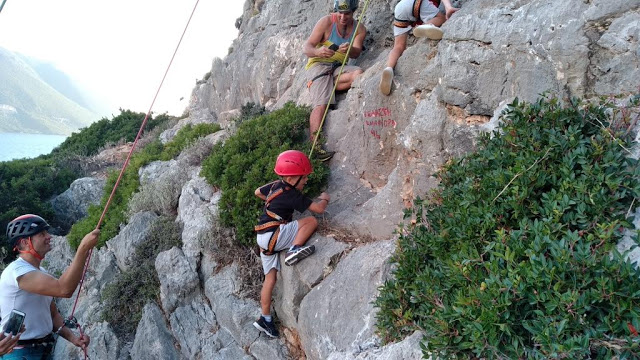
pixel 321 87
pixel 404 11
pixel 288 233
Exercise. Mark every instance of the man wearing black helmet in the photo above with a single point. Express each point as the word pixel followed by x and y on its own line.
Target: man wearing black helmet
pixel 326 48
pixel 27 287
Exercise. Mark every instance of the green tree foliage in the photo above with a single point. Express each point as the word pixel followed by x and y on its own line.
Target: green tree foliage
pixel 124 298
pixel 514 256
pixel 124 127
pixel 27 185
pixel 117 213
pixel 246 161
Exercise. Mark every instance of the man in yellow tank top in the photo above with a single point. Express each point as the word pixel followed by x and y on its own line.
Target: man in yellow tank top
pixel 326 48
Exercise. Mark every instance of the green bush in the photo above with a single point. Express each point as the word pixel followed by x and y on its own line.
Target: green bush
pixel 27 185
pixel 124 298
pixel 124 127
pixel 117 213
pixel 186 136
pixel 246 161
pixel 514 256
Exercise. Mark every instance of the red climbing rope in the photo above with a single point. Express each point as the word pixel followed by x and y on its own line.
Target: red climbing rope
pixel 71 318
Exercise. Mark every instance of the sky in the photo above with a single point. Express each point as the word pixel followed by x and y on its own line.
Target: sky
pixel 118 50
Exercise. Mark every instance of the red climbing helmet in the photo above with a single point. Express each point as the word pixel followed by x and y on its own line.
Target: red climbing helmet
pixel 293 163
pixel 25 226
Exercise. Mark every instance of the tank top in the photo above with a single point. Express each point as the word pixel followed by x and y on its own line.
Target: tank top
pixel 334 38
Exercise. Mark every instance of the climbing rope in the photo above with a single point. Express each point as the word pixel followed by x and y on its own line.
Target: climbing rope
pixel 71 320
pixel 335 85
pixel 2 5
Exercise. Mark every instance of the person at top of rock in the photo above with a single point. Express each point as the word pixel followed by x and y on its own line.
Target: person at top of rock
pixel 326 48
pixel 27 287
pixel 276 230
pixel 424 18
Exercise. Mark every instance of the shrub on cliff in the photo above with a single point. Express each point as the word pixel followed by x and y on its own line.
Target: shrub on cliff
pixel 514 255
pixel 246 161
pixel 130 182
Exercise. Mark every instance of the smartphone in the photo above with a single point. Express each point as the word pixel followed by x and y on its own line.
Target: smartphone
pixel 334 47
pixel 13 326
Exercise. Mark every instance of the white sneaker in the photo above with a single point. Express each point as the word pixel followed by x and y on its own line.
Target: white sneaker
pixel 429 31
pixel 386 80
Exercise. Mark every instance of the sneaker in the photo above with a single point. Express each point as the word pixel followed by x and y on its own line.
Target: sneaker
pixel 297 253
pixel 324 155
pixel 429 31
pixel 268 327
pixel 386 80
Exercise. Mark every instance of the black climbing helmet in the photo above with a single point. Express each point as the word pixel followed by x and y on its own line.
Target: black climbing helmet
pixel 25 226
pixel 345 5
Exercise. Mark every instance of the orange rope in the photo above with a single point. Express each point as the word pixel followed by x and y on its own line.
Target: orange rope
pixel 124 167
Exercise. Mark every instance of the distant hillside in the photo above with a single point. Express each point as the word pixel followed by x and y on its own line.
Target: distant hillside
pixel 29 103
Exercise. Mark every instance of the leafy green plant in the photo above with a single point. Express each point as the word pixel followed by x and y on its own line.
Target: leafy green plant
pixel 514 255
pixel 246 161
pixel 186 136
pixel 124 298
pixel 124 127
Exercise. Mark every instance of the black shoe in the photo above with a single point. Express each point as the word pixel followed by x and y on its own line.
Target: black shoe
pixel 324 155
pixel 296 254
pixel 268 327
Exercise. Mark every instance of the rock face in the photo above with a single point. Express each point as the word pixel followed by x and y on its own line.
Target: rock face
pixel 73 204
pixel 388 148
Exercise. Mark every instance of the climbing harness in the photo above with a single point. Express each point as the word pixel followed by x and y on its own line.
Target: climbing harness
pixel 335 85
pixel 416 14
pixel 277 219
pixel 334 66
pixel 71 320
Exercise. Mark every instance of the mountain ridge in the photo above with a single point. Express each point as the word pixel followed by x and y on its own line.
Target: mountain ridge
pixel 30 103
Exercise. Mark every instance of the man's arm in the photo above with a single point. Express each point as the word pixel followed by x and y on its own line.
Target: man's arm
pixel 37 282
pixel 58 326
pixel 317 37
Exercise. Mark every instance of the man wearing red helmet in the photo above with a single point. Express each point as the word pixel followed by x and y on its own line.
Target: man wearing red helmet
pixel 27 287
pixel 276 230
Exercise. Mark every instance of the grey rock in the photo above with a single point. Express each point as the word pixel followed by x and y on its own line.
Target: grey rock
pixel 179 283
pixel 131 236
pixel 153 340
pixel 195 327
pixel 198 212
pixel 326 326
pixel 73 204
pixel 294 282
pixel 408 348
pixel 104 344
pixel 232 313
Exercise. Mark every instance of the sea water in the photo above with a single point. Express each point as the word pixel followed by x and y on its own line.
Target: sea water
pixel 19 146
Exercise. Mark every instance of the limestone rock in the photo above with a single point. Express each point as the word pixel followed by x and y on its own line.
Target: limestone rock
pixel 195 326
pixel 131 236
pixel 294 282
pixel 178 281
pixel 73 204
pixel 153 339
pixel 329 326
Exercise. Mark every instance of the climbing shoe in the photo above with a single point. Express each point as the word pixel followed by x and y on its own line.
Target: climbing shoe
pixel 324 155
pixel 429 31
pixel 268 327
pixel 386 80
pixel 297 253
